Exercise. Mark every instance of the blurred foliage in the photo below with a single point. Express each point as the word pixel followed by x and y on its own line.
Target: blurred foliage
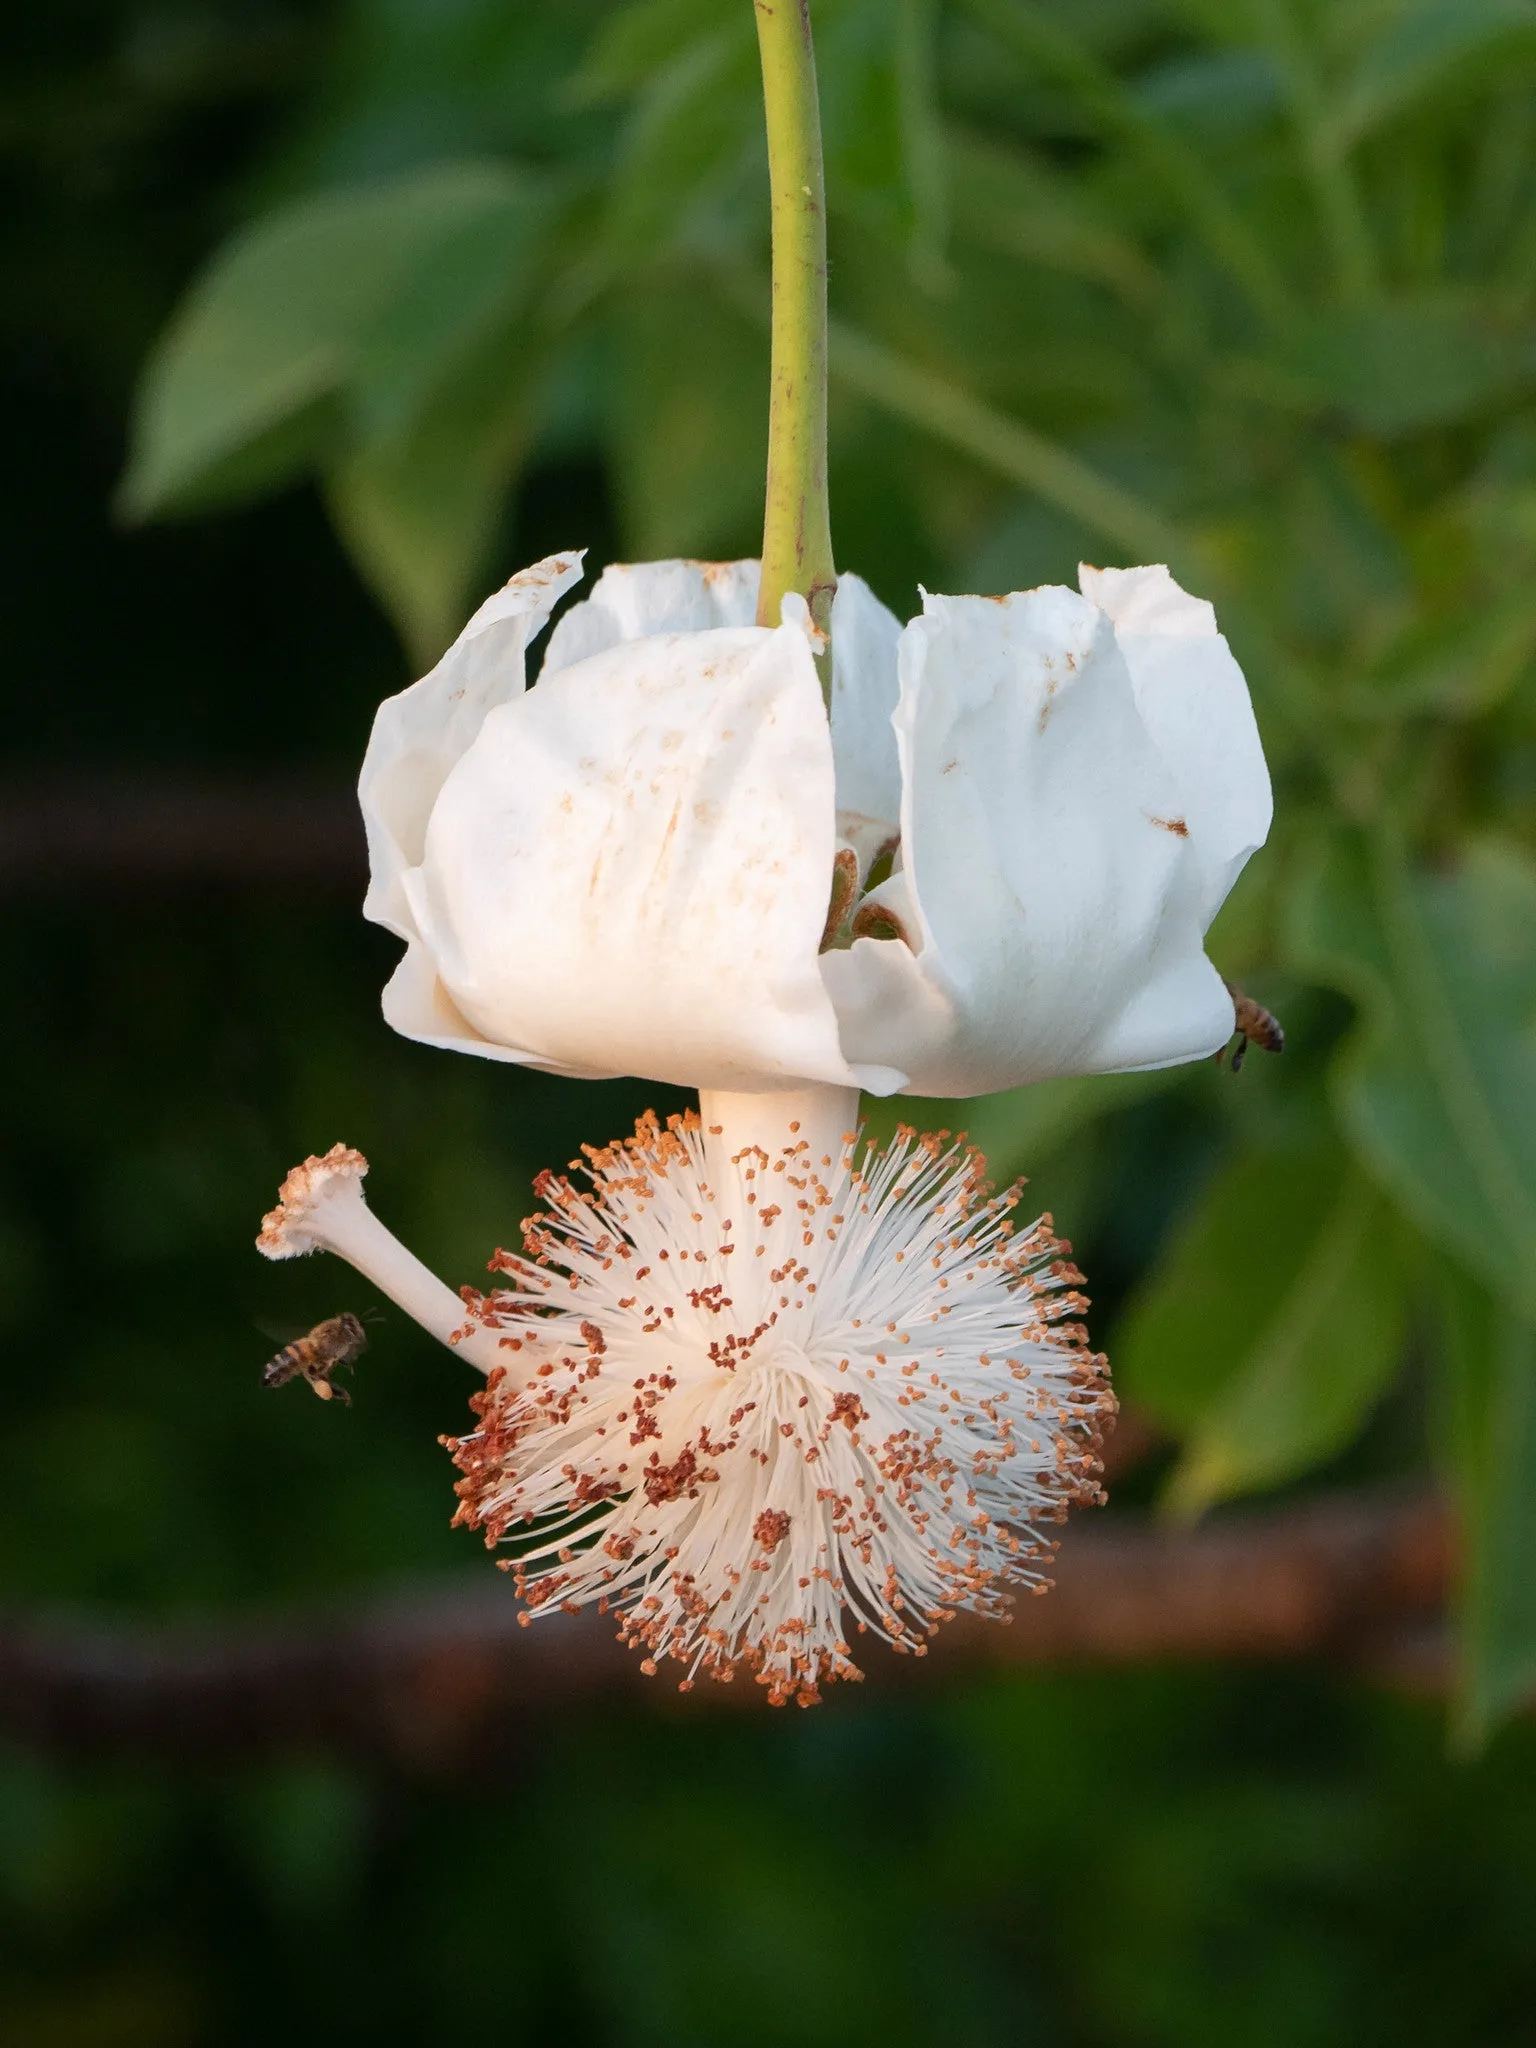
pixel 1244 285
pixel 1020 1867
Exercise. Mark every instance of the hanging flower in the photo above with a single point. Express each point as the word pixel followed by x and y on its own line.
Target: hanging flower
pixel 657 862
pixel 746 1381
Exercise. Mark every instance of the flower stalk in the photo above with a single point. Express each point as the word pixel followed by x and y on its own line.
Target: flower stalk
pixel 797 533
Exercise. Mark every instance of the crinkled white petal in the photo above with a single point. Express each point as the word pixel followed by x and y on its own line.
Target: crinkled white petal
pixel 636 600
pixel 418 735
pixel 1147 600
pixel 1058 869
pixel 628 871
pixel 1194 702
pixel 865 688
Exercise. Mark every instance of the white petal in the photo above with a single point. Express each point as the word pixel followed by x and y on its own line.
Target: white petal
pixel 898 1027
pixel 419 734
pixel 1051 874
pixel 417 1005
pixel 1183 1012
pixel 633 600
pixel 629 869
pixel 1194 701
pixel 1146 601
pixel 865 687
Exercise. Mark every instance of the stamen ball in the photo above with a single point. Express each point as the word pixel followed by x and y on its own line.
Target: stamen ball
pixel 748 1401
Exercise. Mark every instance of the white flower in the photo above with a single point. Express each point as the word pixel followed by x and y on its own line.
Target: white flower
pixel 748 1384
pixel 627 868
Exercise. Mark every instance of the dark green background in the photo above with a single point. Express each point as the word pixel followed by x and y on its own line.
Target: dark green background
pixel 1160 1860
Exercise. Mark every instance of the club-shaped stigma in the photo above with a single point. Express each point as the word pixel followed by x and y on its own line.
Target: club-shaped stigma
pixel 321 1208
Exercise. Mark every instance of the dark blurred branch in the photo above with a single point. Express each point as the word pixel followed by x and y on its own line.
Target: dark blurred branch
pixel 126 832
pixel 1357 1583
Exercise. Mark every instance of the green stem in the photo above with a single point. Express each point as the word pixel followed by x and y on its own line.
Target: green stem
pixel 797 533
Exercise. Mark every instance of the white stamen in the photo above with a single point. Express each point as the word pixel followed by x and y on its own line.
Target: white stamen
pixel 750 1388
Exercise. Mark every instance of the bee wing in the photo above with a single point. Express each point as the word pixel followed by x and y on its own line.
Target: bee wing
pixel 277 1330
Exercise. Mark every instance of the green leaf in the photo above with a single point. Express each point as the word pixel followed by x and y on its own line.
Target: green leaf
pixel 1489 1359
pixel 1007 202
pixel 417 516
pixel 414 82
pixel 1040 39
pixel 886 162
pixel 638 40
pixel 1456 667
pixel 464 304
pixel 693 139
pixel 419 508
pixel 1272 1326
pixel 921 131
pixel 1222 91
pixel 1436 1087
pixel 1431 48
pixel 333 319
pixel 691 451
pixel 1397 366
pixel 912 392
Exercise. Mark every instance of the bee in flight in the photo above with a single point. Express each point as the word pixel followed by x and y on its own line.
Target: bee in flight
pixel 336 1342
pixel 1255 1026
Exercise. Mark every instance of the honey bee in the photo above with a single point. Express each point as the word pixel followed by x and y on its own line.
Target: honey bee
pixel 329 1346
pixel 1255 1026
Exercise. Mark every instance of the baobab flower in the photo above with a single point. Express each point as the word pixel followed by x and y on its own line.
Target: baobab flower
pixel 749 1384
